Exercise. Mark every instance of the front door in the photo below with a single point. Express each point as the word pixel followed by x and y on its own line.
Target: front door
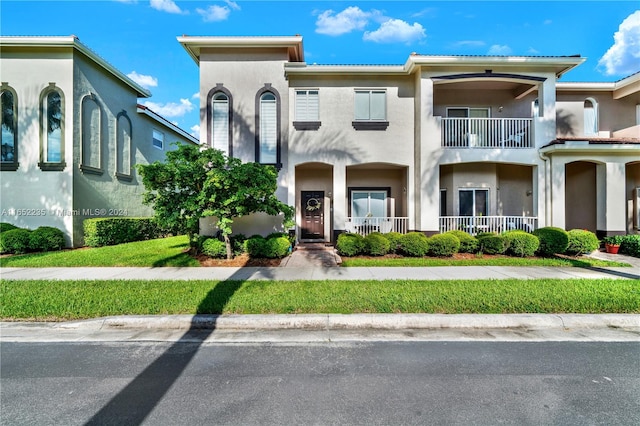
pixel 312 208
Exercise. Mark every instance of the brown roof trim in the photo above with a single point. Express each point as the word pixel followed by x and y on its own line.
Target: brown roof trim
pixel 596 141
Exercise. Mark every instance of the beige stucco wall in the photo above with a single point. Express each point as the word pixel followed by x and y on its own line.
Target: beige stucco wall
pixel 515 196
pixel 581 196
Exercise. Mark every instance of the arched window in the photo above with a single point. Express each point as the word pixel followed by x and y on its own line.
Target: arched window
pixel 535 109
pixel 220 119
pixel 590 117
pixel 9 126
pixel 52 129
pixel 268 126
pixel 91 136
pixel 123 146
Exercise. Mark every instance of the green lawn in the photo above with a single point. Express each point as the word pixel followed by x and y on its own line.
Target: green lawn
pixel 161 252
pixel 66 300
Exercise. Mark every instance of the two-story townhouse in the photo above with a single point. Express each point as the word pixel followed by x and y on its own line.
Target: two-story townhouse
pixel 438 143
pixel 72 134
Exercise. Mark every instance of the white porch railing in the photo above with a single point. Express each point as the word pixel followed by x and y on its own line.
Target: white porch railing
pixel 486 132
pixel 367 225
pixel 497 224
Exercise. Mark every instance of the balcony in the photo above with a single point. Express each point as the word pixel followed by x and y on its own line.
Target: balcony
pixel 486 133
pixel 367 225
pixel 476 224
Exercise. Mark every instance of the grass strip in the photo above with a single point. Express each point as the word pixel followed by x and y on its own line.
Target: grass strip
pixel 45 300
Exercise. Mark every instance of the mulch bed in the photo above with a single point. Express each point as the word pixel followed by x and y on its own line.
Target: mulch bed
pixel 238 261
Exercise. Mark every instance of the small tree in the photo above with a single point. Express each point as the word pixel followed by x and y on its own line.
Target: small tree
pixel 194 183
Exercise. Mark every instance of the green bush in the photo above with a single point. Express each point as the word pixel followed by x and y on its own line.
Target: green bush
pixel 630 245
pixel 256 246
pixel 414 244
pixel 4 227
pixel 552 240
pixel 394 241
pixel 491 244
pixel 582 241
pixel 468 243
pixel 375 244
pixel 443 245
pixel 277 247
pixel 237 244
pixel 15 241
pixel 350 244
pixel 214 247
pixel 520 243
pixel 46 238
pixel 108 231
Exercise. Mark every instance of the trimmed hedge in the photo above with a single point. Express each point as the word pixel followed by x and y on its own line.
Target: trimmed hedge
pixel 443 245
pixel 350 244
pixel 552 240
pixel 256 246
pixel 491 244
pixel 4 227
pixel 414 244
pixel 277 247
pixel 376 244
pixel 520 243
pixel 394 241
pixel 46 238
pixel 108 231
pixel 214 247
pixel 630 245
pixel 468 243
pixel 582 241
pixel 15 241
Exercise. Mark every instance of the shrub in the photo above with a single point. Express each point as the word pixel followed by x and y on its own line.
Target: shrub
pixel 214 248
pixel 582 241
pixel 468 243
pixel 414 244
pixel 4 227
pixel 15 241
pixel 491 244
pixel 520 243
pixel 277 247
pixel 256 246
pixel 237 244
pixel 443 245
pixel 552 240
pixel 350 244
pixel 46 238
pixel 394 241
pixel 376 244
pixel 631 245
pixel 107 231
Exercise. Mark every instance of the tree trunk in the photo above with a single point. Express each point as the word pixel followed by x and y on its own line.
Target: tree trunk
pixel 227 243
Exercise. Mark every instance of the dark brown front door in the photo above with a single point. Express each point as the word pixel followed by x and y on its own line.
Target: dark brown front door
pixel 312 209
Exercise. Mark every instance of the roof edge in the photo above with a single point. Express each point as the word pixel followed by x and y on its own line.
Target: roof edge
pixel 141 109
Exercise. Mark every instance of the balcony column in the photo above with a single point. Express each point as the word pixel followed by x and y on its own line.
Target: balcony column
pixel 558 188
pixel 340 199
pixel 611 198
pixel 427 167
pixel 545 123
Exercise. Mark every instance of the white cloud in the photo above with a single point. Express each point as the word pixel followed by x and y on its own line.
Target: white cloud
pixel 145 81
pixel 168 6
pixel 170 109
pixel 195 131
pixel 396 30
pixel 500 50
pixel 469 43
pixel 624 56
pixel 232 4
pixel 195 95
pixel 215 13
pixel 352 18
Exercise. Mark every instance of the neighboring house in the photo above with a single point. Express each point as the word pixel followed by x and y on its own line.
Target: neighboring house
pixel 480 143
pixel 72 134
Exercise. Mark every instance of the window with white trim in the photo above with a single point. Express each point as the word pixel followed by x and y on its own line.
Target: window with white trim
pixel 590 117
pixel 307 105
pixel 369 203
pixel 220 122
pixel 158 139
pixel 370 105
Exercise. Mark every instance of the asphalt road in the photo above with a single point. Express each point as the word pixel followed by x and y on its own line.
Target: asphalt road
pixel 485 383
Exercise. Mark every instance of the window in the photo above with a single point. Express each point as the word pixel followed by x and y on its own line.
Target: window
pixel 371 105
pixel 474 202
pixel 220 124
pixel 123 146
pixel 443 202
pixel 91 147
pixel 369 203
pixel 535 109
pixel 307 105
pixel 52 129
pixel 9 126
pixel 590 117
pixel 158 139
pixel 268 126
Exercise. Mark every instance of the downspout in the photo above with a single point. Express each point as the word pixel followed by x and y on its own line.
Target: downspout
pixel 547 187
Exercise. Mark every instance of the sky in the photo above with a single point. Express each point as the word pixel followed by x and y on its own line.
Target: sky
pixel 138 37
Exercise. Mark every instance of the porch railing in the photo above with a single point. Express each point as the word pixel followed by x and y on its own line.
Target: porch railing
pixel 486 133
pixel 367 225
pixel 475 224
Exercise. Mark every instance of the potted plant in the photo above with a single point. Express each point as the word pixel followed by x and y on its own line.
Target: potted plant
pixel 612 243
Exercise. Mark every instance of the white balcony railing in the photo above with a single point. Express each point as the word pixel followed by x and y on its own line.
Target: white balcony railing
pixel 367 225
pixel 486 133
pixel 497 224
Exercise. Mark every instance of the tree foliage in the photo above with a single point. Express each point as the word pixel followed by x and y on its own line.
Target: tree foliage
pixel 194 183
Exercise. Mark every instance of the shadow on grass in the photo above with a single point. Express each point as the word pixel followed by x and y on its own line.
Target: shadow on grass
pixel 180 259
pixel 134 403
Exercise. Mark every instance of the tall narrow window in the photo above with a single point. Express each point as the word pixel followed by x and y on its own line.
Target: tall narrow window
pixel 52 129
pixel 268 126
pixel 91 148
pixel 474 202
pixel 123 146
pixel 9 126
pixel 158 139
pixel 590 117
pixel 220 134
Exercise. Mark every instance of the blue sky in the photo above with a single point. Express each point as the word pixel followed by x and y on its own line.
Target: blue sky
pixel 139 37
